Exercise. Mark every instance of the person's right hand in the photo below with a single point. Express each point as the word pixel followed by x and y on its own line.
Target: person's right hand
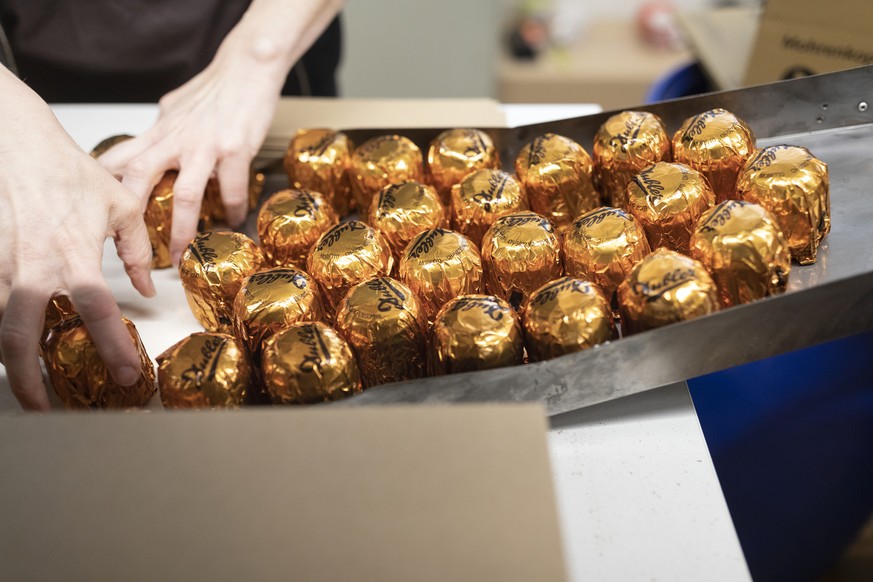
pixel 57 206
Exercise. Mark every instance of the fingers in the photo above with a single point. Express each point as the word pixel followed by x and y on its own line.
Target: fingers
pixel 187 199
pixel 100 314
pixel 20 332
pixel 116 158
pixel 233 177
pixel 143 171
pixel 132 242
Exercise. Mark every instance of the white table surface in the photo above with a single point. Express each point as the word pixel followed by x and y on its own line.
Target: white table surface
pixel 637 494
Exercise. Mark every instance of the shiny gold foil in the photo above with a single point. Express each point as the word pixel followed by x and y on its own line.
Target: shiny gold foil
pixel 59 309
pixel 520 252
pixel 213 207
pixel 290 222
pixel 401 211
pixel 564 316
pixel 624 145
pixel 79 376
pixel 664 288
pixel 318 160
pixel 204 370
pixel 744 250
pixel 795 187
pixel 438 266
pixel 602 246
pixel 558 176
pixel 212 270
pixel 481 198
pixel 455 153
pixel 272 300
pixel 475 332
pixel 383 160
pixel 346 255
pixel 307 363
pixel 108 143
pixel 668 200
pixel 716 143
pixel 385 325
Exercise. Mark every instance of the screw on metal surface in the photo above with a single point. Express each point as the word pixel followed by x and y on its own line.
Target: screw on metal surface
pixel 824 106
pixel 862 106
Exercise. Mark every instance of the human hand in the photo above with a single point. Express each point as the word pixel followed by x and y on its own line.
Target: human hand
pixel 57 206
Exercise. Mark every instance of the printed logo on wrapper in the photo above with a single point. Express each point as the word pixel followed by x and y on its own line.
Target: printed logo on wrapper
pixel 671 280
pixel 488 306
pixel 331 237
pixel 390 297
pixel 550 293
pixel 317 353
pixel 496 185
pixel 209 353
pixel 425 242
pixel 598 216
pixel 292 276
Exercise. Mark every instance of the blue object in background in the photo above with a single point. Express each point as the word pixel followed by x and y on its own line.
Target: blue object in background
pixel 791 438
pixel 686 80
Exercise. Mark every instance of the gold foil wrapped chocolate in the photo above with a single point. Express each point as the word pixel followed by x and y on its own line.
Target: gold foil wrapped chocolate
pixel 79 376
pixel 794 186
pixel 383 160
pixel 272 300
pixel 401 211
pixel 348 254
pixel 212 270
pixel 716 143
pixel 744 250
pixel 602 246
pixel 438 266
pixel 520 252
pixel 309 362
pixel 318 160
pixel 481 198
pixel 558 177
pixel 455 153
pixel 668 200
pixel 204 370
pixel 59 309
pixel 475 332
pixel 213 206
pixel 664 288
pixel 385 325
pixel 624 145
pixel 290 222
pixel 564 316
pixel 109 143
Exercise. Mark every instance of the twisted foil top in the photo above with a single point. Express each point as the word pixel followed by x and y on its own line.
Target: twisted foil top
pixel 290 222
pixel 318 160
pixel 455 153
pixel 204 370
pixel 481 198
pixel 307 363
pixel 383 160
pixel 564 316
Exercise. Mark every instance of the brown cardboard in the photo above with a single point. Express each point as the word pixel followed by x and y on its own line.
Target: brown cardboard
pixel 400 493
pixel 802 37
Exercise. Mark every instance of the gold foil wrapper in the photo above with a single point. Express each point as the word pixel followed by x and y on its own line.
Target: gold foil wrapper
pixel 204 370
pixel 290 222
pixel 664 288
pixel 624 145
pixel 308 363
pixel 213 207
pixel 385 325
pixel 212 270
pixel 383 160
pixel 272 300
pixel 565 316
pixel 795 187
pixel 483 197
pixel 716 143
pixel 346 255
pixel 318 160
pixel 455 153
pixel 744 250
pixel 602 246
pixel 58 310
pixel 475 332
pixel 79 376
pixel 108 143
pixel 401 211
pixel 438 266
pixel 558 176
pixel 668 200
pixel 520 252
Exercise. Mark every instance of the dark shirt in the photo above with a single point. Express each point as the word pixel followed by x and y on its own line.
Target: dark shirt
pixel 104 51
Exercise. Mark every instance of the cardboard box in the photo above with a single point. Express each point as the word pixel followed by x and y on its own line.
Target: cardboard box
pixel 806 37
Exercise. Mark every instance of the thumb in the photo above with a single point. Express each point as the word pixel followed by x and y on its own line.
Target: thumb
pixel 132 241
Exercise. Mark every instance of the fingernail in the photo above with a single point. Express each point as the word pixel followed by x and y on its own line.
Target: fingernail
pixel 126 376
